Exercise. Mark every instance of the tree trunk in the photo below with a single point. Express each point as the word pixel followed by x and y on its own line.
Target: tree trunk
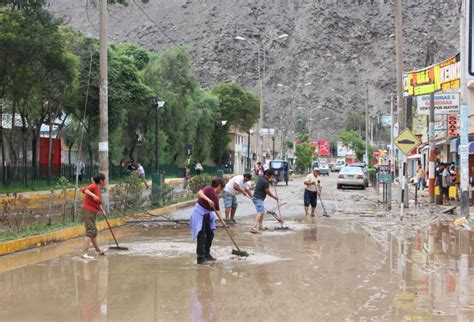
pixel 34 151
pixel 12 144
pixel 50 143
pixel 2 142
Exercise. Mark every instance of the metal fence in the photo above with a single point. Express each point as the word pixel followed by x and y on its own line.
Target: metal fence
pixel 18 179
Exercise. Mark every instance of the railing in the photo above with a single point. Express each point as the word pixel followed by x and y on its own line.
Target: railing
pixel 21 179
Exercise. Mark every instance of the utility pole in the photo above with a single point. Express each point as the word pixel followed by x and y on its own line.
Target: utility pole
pixel 432 157
pixel 399 62
pixel 260 119
pixel 367 125
pixel 103 102
pixel 464 118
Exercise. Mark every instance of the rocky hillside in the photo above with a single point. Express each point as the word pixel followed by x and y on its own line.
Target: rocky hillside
pixel 336 45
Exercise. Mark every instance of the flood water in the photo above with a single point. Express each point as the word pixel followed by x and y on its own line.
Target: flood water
pixel 321 270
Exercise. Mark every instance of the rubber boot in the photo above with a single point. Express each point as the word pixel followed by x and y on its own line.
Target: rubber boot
pixel 306 211
pixel 312 211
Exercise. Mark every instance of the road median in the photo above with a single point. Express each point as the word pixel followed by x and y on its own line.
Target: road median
pixel 13 246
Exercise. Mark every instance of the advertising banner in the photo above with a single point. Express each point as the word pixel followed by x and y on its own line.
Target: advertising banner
pixel 420 127
pixel 439 77
pixel 324 148
pixel 453 125
pixel 444 104
pixel 343 151
pixel 386 120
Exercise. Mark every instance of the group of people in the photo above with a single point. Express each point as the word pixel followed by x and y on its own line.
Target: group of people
pixel 205 212
pixel 445 177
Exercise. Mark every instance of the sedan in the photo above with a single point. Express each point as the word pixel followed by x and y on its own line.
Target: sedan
pixel 351 176
pixel 323 169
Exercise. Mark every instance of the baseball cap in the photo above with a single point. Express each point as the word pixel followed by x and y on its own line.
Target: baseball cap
pixel 316 169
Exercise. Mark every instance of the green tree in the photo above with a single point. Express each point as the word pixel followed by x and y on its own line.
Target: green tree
pixel 240 108
pixel 304 154
pixel 351 139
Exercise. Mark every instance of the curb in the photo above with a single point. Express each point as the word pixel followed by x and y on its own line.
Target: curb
pixel 13 246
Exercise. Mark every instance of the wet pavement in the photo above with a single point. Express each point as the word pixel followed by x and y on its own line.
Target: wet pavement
pixel 360 264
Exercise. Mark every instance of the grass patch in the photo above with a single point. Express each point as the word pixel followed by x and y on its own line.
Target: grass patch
pixel 38 229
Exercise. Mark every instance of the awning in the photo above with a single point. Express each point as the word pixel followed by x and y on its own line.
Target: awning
pixel 414 157
pixel 471 148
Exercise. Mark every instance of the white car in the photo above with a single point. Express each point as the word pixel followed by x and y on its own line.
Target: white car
pixel 323 169
pixel 338 166
pixel 351 176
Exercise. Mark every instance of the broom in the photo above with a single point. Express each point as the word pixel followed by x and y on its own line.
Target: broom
pixel 237 251
pixel 112 232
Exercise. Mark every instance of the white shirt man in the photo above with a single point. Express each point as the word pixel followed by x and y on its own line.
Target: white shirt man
pixel 312 189
pixel 236 185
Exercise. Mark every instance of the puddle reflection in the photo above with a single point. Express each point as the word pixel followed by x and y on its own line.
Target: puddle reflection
pixel 437 269
pixel 91 288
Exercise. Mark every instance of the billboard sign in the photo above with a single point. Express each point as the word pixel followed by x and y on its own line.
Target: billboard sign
pixel 343 151
pixel 439 77
pixel 447 103
pixel 324 148
pixel 386 120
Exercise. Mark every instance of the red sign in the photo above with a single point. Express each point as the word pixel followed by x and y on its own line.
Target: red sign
pixel 324 148
pixel 376 153
pixel 453 125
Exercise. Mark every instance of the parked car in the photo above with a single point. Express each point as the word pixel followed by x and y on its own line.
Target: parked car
pixel 351 176
pixel 323 169
pixel 338 166
pixel 363 166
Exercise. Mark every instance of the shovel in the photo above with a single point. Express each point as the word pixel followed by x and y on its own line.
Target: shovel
pixel 112 232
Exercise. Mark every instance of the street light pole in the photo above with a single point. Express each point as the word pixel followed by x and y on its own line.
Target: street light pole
pixel 103 102
pixel 273 153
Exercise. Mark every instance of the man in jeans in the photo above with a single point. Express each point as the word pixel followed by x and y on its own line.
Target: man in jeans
pixel 236 185
pixel 262 189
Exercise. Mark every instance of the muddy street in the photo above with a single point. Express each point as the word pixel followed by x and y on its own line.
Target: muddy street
pixel 351 266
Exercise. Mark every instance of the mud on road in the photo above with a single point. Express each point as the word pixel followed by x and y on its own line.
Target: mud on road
pixel 360 264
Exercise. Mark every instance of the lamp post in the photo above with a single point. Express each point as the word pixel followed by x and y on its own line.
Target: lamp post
pixel 222 124
pixel 157 105
pixel 259 46
pixel 249 162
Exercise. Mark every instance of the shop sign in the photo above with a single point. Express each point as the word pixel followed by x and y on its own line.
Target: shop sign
pixel 453 125
pixel 447 103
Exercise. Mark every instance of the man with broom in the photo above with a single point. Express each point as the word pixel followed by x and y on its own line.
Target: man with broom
pixel 90 208
pixel 312 187
pixel 203 219
pixel 262 189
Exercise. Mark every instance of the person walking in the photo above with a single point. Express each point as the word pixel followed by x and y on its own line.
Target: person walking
pixel 90 208
pixel 262 189
pixel 312 185
pixel 187 177
pixel 421 177
pixel 203 219
pixel 236 185
pixel 80 170
pixel 259 171
pixel 141 174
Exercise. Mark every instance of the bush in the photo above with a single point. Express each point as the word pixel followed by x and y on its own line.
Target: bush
pixel 129 192
pixel 198 182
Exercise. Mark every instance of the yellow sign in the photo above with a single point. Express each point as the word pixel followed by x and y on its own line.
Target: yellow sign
pixel 406 141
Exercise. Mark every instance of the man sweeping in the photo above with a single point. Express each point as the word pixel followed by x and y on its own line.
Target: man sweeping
pixel 90 208
pixel 312 187
pixel 237 185
pixel 262 189
pixel 203 219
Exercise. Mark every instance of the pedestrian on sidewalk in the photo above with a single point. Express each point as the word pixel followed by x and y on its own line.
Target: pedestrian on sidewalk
pixel 259 170
pixel 203 219
pixel 141 174
pixel 262 189
pixel 187 176
pixel 90 208
pixel 421 177
pixel 198 168
pixel 445 183
pixel 80 169
pixel 236 185
pixel 311 183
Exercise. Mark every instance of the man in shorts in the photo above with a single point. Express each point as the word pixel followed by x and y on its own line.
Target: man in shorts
pixel 312 187
pixel 262 189
pixel 236 185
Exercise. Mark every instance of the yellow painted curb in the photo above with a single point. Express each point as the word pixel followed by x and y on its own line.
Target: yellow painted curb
pixel 13 246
